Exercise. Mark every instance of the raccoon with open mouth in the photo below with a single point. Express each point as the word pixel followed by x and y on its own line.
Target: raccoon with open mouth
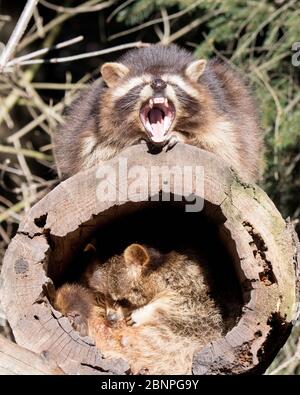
pixel 162 95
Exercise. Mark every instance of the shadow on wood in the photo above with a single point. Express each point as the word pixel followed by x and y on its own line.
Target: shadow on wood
pixel 264 251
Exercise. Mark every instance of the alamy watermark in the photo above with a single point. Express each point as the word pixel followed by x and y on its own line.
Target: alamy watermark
pixel 118 183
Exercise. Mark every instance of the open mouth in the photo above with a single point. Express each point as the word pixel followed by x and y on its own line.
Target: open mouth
pixel 157 116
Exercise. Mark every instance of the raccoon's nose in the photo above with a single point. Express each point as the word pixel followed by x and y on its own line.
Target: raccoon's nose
pixel 112 317
pixel 158 84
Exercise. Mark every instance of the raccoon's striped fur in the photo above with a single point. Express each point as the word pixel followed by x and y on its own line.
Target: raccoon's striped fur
pixel 161 94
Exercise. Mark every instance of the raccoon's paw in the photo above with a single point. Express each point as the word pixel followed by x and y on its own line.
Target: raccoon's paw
pixel 78 322
pixel 141 316
pixel 173 140
pixel 130 320
pixel 143 371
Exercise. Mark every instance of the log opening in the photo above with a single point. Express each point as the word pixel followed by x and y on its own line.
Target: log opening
pixel 166 227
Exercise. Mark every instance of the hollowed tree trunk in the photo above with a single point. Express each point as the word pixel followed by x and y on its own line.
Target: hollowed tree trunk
pixel 263 248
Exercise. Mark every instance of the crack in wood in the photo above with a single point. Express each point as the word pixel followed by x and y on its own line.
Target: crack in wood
pixel 259 249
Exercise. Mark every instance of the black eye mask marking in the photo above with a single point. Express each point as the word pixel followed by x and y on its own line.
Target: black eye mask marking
pixel 190 104
pixel 127 103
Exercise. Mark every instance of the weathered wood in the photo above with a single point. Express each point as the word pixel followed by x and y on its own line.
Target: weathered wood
pixel 16 360
pixel 264 249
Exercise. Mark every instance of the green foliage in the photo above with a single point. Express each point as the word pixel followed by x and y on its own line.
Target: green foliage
pixel 140 10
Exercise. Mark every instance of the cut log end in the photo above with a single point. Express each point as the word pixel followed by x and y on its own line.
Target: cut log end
pixel 260 248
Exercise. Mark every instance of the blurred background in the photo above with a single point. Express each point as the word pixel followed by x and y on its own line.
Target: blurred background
pixel 259 38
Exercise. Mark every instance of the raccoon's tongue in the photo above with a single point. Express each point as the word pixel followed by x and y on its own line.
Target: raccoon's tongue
pixel 156 118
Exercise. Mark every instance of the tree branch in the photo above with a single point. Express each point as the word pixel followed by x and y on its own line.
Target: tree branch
pixel 17 34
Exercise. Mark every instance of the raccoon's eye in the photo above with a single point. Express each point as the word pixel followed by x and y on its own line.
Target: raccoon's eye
pixel 124 303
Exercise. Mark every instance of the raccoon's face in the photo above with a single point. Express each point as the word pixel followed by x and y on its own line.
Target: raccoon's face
pixel 128 287
pixel 125 286
pixel 155 102
pixel 158 112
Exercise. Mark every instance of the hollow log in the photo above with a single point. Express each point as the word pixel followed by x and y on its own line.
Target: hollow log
pixel 263 247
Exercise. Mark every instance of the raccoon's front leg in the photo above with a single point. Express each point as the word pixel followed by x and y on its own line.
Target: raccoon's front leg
pixel 172 140
pixel 141 316
pixel 152 312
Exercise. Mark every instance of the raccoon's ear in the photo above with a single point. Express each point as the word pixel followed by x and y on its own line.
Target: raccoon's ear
pixel 136 254
pixel 90 248
pixel 195 69
pixel 113 72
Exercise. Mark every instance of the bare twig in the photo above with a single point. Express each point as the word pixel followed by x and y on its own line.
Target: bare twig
pixel 26 195
pixel 167 29
pixel 57 86
pixel 118 9
pixel 79 9
pixel 26 152
pixel 154 21
pixel 282 366
pixel 53 117
pixel 22 161
pixel 17 34
pixel 38 22
pixel 195 23
pixel 137 44
pixel 292 104
pixel 274 59
pixel 42 117
pixel 16 208
pixel 274 15
pixel 5 18
pixel 4 235
pixel 59 20
pixel 158 32
pixel 43 51
pixel 279 113
pixel 28 75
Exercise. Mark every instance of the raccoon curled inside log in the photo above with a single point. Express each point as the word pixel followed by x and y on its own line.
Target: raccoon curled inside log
pixel 162 95
pixel 153 309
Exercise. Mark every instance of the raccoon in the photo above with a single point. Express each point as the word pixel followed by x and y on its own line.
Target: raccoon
pixel 144 285
pixel 150 303
pixel 148 349
pixel 162 95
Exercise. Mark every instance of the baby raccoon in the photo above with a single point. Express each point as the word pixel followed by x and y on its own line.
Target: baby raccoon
pixel 143 285
pixel 156 309
pixel 149 349
pixel 162 95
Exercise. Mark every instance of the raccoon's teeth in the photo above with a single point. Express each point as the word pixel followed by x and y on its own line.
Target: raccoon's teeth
pixel 167 122
pixel 157 116
pixel 159 100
